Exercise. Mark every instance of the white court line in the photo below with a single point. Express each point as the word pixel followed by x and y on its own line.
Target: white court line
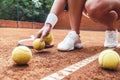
pixel 70 69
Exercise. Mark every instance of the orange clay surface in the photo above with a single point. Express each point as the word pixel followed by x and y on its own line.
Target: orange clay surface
pixel 50 60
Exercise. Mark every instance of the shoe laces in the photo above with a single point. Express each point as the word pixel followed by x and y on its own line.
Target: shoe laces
pixel 72 35
pixel 111 36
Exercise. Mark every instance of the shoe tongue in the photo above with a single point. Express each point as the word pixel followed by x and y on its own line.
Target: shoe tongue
pixel 72 34
pixel 111 33
pixel 111 36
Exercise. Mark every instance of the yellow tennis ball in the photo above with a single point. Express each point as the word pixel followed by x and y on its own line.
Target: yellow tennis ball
pixel 48 39
pixel 21 55
pixel 109 59
pixel 38 45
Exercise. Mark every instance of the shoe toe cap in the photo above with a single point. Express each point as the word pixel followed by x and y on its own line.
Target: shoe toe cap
pixel 64 47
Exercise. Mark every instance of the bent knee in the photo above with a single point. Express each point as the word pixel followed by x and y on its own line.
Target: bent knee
pixel 94 8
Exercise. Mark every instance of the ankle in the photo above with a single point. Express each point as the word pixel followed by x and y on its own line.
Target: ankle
pixel 77 32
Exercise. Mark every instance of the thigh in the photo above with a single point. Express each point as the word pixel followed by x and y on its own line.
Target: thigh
pixel 117 7
pixel 98 5
pixel 103 5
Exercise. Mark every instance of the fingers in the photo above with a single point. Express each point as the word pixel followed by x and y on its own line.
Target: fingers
pixel 43 32
pixel 39 33
pixel 114 15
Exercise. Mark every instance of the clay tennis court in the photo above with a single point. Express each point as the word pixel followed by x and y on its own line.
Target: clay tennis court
pixel 49 61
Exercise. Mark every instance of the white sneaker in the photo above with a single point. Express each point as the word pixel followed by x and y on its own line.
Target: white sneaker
pixel 70 42
pixel 111 39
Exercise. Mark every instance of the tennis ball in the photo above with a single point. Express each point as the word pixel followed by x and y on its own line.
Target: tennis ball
pixel 109 59
pixel 21 55
pixel 48 39
pixel 38 45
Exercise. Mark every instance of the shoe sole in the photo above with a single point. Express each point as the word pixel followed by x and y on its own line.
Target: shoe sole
pixel 70 49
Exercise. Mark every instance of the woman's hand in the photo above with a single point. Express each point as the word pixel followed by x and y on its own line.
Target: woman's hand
pixel 44 31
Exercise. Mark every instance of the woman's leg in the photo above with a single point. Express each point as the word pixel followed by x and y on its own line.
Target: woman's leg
pixel 72 40
pixel 105 12
pixel 75 13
